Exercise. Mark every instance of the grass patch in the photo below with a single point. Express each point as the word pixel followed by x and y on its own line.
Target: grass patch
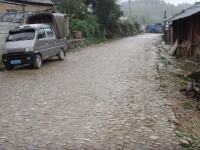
pixel 194 140
pixel 96 40
pixel 1 65
pixel 190 104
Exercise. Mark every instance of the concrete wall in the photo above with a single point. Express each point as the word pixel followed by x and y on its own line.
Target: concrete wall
pixel 4 29
pixel 6 6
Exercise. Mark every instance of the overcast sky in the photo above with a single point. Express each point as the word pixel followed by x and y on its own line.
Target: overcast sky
pixel 175 2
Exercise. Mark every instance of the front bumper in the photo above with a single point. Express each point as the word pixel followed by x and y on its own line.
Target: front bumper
pixel 21 58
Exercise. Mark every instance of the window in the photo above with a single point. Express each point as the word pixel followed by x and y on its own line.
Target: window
pixel 21 34
pixel 41 33
pixel 49 32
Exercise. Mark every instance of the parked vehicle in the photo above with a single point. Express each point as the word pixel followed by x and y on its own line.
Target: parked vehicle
pixel 158 28
pixel 154 28
pixel 43 37
pixel 150 28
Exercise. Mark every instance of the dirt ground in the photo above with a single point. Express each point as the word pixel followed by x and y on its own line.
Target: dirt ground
pixel 173 77
pixel 106 96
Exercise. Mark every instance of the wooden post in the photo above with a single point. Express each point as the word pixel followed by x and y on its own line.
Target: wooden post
pixel 23 11
pixel 165 16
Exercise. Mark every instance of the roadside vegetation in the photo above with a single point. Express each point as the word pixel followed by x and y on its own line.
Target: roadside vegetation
pixel 98 20
pixel 1 65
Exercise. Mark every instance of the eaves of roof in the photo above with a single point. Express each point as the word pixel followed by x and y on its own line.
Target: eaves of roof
pixel 9 2
pixel 22 2
pixel 187 12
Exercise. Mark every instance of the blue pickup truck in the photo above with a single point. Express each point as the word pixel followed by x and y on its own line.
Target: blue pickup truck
pixel 154 28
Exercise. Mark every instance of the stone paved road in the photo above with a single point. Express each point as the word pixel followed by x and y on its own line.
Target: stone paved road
pixel 103 97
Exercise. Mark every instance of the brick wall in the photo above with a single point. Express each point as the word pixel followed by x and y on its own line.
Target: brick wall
pixel 5 6
pixel 4 29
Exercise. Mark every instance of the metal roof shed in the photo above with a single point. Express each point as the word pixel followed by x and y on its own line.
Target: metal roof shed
pixel 186 28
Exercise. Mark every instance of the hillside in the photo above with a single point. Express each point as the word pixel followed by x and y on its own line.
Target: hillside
pixel 150 11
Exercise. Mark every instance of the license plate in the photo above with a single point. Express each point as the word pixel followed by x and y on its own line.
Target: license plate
pixel 15 62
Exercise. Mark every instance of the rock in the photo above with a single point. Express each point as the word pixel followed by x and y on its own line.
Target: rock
pixel 184 143
pixel 188 139
pixel 154 137
pixel 176 122
pixel 142 118
pixel 198 106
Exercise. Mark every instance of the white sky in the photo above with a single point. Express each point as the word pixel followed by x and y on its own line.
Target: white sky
pixel 175 2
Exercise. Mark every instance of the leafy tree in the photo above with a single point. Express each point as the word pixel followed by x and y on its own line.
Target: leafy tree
pixel 95 18
pixel 108 13
pixel 75 8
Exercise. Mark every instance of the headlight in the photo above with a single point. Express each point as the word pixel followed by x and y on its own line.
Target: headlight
pixel 4 51
pixel 29 49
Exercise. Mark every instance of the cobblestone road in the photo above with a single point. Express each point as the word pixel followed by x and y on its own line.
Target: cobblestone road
pixel 102 97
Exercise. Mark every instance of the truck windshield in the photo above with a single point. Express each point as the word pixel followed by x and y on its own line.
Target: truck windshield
pixel 21 34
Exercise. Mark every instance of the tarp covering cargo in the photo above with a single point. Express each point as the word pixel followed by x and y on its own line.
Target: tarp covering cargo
pixel 57 20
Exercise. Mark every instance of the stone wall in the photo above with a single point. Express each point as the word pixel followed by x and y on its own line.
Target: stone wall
pixel 4 29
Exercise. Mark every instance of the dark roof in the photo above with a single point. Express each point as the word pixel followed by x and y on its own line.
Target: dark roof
pixel 47 2
pixel 39 1
pixel 187 12
pixel 10 2
pixel 17 16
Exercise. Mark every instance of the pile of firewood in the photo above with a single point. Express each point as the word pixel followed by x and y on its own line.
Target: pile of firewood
pixel 192 90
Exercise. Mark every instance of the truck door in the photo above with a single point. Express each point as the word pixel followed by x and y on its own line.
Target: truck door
pixel 53 47
pixel 42 44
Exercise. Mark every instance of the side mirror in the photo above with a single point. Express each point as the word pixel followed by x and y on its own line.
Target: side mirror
pixel 6 38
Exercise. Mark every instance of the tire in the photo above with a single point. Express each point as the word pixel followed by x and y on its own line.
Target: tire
pixel 38 62
pixel 9 67
pixel 61 55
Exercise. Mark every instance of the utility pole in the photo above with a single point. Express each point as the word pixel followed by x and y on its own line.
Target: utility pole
pixel 130 10
pixel 23 11
pixel 165 16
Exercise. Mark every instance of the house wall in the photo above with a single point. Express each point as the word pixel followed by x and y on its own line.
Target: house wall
pixel 187 30
pixel 168 35
pixel 4 29
pixel 31 7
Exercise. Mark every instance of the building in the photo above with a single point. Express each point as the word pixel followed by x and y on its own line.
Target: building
pixel 26 5
pixel 185 27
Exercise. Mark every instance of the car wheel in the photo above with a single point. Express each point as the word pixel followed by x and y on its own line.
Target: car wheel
pixel 61 55
pixel 38 62
pixel 9 67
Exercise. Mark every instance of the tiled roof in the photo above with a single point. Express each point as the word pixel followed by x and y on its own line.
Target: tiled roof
pixel 17 16
pixel 48 2
pixel 39 1
pixel 10 2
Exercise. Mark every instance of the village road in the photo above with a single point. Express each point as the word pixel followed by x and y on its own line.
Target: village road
pixel 103 97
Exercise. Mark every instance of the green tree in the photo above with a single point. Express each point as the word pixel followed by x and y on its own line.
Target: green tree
pixel 108 13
